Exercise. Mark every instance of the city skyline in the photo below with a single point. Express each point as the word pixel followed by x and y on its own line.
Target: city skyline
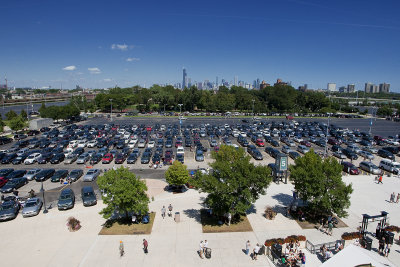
pixel 102 44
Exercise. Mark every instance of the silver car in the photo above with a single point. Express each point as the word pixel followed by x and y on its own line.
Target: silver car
pixel 32 207
pixel 83 158
pixel 31 174
pixel 339 155
pixel 71 158
pixel 371 149
pixel 366 154
pixel 91 175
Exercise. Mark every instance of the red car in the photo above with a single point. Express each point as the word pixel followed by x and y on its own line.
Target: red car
pixel 259 142
pixel 305 143
pixel 148 128
pixel 178 143
pixel 3 181
pixel 107 158
pixel 333 142
pixel 350 168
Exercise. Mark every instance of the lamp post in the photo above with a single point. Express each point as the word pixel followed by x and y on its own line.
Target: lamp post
pixel 253 107
pixel 44 201
pixel 111 108
pixel 326 136
pixel 180 120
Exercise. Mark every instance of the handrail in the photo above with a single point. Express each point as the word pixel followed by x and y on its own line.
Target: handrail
pixel 275 259
pixel 314 248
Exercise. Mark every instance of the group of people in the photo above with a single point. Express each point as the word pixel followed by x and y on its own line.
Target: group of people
pixel 384 249
pixel 122 249
pixel 155 165
pixel 203 248
pixel 325 252
pixel 293 255
pixel 256 250
pixel 393 196
pixel 326 225
pixel 163 211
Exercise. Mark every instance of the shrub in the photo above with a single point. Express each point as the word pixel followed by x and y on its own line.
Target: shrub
pixel 351 235
pixel 270 213
pixel 393 228
pixel 295 238
pixel 73 224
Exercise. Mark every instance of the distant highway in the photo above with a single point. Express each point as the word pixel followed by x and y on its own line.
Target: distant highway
pixel 18 108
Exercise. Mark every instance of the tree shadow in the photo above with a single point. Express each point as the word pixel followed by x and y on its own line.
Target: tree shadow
pixel 283 199
pixel 193 214
pixel 252 209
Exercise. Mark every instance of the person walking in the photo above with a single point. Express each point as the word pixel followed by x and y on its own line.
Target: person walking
pixel 255 251
pixel 330 228
pixel 387 250
pixel 145 246
pixel 247 247
pixel 398 198
pixel 121 248
pixel 201 249
pixel 163 212
pixel 205 245
pixel 380 180
pixel 322 224
pixel 170 210
pixel 392 197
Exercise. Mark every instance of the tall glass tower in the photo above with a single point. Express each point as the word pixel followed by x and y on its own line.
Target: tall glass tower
pixel 184 81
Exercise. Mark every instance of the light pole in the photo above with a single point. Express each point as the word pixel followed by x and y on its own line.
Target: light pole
pixel 180 118
pixel 253 107
pixel 44 201
pixel 111 108
pixel 326 136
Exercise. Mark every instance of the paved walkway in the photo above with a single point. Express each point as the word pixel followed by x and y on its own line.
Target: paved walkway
pixel 45 241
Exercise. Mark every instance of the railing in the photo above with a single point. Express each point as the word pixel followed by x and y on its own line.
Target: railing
pixel 315 248
pixel 275 259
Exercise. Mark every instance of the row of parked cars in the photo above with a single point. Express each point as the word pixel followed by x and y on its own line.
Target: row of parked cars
pixel 11 206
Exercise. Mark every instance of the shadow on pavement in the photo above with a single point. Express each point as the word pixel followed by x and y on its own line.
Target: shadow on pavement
pixel 283 199
pixel 193 214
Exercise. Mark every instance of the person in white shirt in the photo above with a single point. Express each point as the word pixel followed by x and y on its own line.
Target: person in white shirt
pixel 205 246
pixel 255 251
pixel 201 249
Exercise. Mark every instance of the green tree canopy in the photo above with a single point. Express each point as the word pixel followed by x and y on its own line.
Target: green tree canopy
pixel 177 174
pixel 382 111
pixel 235 183
pixel 1 125
pixel 319 182
pixel 23 115
pixel 11 115
pixel 17 123
pixel 123 192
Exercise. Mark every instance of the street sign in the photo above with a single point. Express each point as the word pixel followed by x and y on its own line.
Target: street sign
pixel 282 162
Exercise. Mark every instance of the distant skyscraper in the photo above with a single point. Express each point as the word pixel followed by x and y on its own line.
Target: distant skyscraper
pixel 384 88
pixel 368 88
pixel 331 87
pixel 258 83
pixel 235 81
pixel 351 88
pixel 184 80
pixel 216 81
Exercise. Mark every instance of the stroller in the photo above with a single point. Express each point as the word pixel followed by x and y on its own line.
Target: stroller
pixel 207 253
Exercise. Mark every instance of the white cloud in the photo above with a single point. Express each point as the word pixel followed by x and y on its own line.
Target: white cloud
pixel 122 47
pixel 94 70
pixel 130 59
pixel 70 68
pixel 107 80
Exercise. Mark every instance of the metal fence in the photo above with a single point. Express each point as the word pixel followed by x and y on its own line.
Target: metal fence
pixel 275 259
pixel 315 248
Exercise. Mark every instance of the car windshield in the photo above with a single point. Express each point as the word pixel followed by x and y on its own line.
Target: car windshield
pixel 6 207
pixel 74 173
pixel 88 194
pixel 66 196
pixel 30 204
pixel 31 172
pixel 90 172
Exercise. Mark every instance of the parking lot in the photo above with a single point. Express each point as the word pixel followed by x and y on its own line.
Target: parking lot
pixel 221 130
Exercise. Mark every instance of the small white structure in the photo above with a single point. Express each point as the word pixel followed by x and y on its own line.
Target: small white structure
pixel 40 123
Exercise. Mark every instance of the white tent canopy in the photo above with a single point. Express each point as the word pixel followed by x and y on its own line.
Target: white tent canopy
pixel 353 255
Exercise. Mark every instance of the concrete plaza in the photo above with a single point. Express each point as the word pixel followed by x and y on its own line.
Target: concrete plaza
pixel 44 240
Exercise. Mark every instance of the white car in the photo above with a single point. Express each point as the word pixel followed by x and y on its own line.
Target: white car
pixel 73 143
pixel 339 155
pixel 151 144
pixel 366 154
pixel 297 139
pixel 180 150
pixel 32 158
pixel 92 143
pixel 142 143
pixel 132 143
pixel 82 143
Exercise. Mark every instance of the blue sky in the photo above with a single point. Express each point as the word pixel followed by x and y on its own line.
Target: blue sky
pixel 100 44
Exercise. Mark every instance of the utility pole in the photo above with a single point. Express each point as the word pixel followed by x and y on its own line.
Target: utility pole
pixel 111 109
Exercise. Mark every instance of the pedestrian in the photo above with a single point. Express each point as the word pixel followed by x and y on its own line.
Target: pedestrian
pixel 229 218
pixel 380 180
pixel 201 249
pixel 170 210
pixel 247 247
pixel 145 246
pixel 398 198
pixel 330 227
pixel 163 212
pixel 121 248
pixel 322 223
pixel 205 245
pixel 387 250
pixel 255 251
pixel 392 197
pixel 381 245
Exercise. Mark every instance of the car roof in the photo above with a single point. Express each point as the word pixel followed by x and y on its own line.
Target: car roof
pixel 86 189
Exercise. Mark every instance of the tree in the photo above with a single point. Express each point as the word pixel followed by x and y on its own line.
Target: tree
pixel 11 115
pixel 1 125
pixel 17 123
pixel 123 192
pixel 177 174
pixel 382 111
pixel 319 182
pixel 234 184
pixel 23 115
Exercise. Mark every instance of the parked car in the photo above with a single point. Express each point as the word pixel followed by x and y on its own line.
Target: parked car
pixel 31 174
pixel 108 158
pixel 83 158
pixel 95 159
pixel 199 155
pixel 9 210
pixel 303 149
pixel 132 158
pixel 74 175
pixel 66 199
pixel 339 154
pixel 45 158
pixel 366 154
pixel 32 207
pixel 59 175
pixel 16 174
pixel 390 166
pixel 350 154
pixel 45 174
pixel 350 168
pixel 88 196
pixel 32 158
pixel 386 154
pixel 58 158
pixel 71 158
pixel 294 155
pixel 120 158
pixel 369 167
pixel 91 175
pixel 13 184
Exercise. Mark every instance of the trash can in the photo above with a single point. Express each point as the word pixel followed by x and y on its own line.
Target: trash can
pixel 389 237
pixel 367 243
pixel 177 217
